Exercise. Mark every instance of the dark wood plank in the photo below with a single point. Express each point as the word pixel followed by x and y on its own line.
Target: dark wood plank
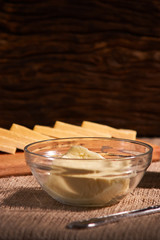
pixel 80 60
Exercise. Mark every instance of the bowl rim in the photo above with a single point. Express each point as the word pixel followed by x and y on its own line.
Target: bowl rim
pixel 138 142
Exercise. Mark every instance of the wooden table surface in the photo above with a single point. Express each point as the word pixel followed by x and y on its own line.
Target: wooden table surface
pixel 15 164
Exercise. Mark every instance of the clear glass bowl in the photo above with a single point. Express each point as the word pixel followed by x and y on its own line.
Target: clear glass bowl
pixel 89 182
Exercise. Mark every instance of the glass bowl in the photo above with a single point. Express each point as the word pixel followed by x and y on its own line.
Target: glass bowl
pixel 93 182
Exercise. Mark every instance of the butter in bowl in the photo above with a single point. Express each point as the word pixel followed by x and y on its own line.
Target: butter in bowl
pixel 88 172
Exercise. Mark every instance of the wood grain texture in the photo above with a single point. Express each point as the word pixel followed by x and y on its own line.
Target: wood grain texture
pixel 80 60
pixel 13 165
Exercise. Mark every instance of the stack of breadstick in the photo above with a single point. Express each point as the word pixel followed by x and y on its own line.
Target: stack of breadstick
pixel 18 136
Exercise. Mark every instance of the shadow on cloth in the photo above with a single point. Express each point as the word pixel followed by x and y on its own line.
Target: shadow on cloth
pixel 37 199
pixel 150 180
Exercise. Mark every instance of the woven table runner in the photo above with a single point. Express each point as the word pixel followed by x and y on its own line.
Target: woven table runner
pixel 27 212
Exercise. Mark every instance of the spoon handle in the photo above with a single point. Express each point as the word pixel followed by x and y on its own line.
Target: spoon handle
pixel 94 222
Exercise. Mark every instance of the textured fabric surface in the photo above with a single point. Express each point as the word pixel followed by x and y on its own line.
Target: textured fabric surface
pixel 27 212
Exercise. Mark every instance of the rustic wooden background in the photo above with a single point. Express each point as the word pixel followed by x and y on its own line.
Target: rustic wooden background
pixel 70 60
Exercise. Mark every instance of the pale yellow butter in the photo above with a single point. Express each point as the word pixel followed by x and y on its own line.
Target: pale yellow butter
pixel 80 180
pixel 80 152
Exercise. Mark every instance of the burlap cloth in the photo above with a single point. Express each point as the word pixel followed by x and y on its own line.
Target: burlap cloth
pixel 27 212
